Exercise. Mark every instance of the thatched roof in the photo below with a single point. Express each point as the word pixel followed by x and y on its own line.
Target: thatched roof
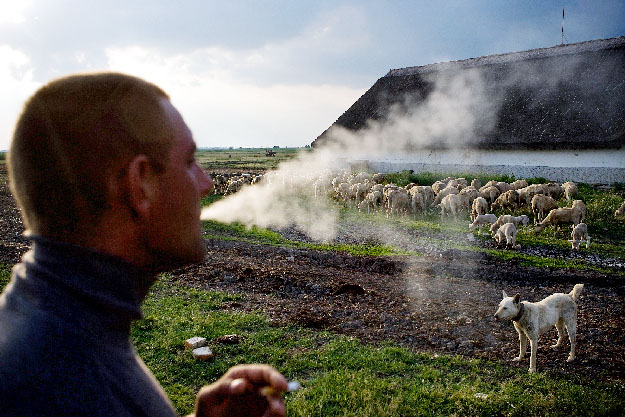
pixel 566 96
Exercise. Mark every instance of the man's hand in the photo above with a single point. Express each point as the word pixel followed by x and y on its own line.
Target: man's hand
pixel 238 393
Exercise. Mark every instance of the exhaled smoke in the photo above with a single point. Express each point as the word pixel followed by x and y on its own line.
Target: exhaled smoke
pixel 284 198
pixel 297 193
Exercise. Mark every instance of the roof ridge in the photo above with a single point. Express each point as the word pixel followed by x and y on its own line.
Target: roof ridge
pixel 557 50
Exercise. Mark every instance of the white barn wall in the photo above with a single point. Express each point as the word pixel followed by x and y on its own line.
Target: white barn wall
pixel 597 166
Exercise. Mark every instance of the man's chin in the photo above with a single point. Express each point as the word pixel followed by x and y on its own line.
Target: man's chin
pixel 167 261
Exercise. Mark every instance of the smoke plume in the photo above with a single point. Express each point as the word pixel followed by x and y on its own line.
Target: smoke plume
pixel 451 115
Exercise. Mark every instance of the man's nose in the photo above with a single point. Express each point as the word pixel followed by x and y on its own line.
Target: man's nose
pixel 206 183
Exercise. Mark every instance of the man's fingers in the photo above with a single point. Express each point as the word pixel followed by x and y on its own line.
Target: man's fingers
pixel 275 407
pixel 239 386
pixel 259 375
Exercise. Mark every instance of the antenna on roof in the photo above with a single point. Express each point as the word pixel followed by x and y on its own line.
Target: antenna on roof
pixel 563 38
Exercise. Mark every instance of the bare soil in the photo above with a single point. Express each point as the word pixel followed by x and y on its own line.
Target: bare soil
pixel 441 303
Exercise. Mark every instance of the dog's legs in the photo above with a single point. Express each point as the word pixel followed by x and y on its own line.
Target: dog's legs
pixel 534 347
pixel 560 328
pixel 571 329
pixel 522 344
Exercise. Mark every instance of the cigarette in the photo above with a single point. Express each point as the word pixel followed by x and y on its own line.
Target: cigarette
pixel 269 391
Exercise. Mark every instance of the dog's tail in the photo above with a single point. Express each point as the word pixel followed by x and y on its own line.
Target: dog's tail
pixel 577 290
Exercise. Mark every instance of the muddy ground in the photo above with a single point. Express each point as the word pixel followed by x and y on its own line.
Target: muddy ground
pixel 441 303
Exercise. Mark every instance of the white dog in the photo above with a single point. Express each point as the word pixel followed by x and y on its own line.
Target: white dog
pixel 532 319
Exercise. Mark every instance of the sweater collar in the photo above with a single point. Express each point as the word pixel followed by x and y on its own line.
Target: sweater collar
pixel 108 284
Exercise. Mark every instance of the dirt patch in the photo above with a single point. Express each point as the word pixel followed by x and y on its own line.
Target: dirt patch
pixel 439 303
pixel 429 303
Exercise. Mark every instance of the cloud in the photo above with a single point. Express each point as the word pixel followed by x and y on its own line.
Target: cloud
pixel 14 12
pixel 16 79
pixel 225 110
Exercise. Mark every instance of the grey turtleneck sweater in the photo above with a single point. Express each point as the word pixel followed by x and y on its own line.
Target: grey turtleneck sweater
pixel 65 337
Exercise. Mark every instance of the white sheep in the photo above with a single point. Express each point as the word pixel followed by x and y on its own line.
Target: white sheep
pixel 428 194
pixel 438 186
pixel 378 178
pixel 234 185
pixel 451 203
pixel 482 220
pixel 470 193
pixel 570 190
pixel 489 193
pixel 527 193
pixel 417 201
pixel 398 202
pixel 580 205
pixel 503 186
pixel 559 216
pixel 542 204
pixel 521 220
pixel 462 183
pixel 508 199
pixel 508 233
pixel 359 190
pixel 579 235
pixel 507 218
pixel 343 192
pixel 554 190
pixel 362 177
pixel 372 201
pixel 620 212
pixel 479 206
pixel 518 184
pixel 450 189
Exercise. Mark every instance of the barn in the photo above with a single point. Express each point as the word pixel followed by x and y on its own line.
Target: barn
pixel 556 113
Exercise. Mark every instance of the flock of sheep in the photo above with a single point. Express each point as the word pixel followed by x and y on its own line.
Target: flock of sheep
pixel 451 196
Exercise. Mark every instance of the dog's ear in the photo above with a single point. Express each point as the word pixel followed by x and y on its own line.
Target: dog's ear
pixel 517 298
pixel 504 294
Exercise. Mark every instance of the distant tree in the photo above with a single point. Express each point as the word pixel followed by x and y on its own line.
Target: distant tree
pixel 276 147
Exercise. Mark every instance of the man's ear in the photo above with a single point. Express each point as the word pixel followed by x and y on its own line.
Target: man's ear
pixel 142 185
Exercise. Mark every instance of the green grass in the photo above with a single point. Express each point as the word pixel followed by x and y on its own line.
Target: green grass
pixel 601 206
pixel 342 376
pixel 428 178
pixel 257 235
pixel 5 275
pixel 244 158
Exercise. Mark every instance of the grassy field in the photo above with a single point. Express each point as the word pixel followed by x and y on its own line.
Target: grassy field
pixel 607 235
pixel 244 158
pixel 342 376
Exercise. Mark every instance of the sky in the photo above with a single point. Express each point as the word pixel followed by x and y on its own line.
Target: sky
pixel 253 73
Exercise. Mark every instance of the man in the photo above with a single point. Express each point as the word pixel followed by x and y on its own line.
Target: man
pixel 102 167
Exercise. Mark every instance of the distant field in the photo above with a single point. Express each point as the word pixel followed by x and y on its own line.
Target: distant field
pixel 245 158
